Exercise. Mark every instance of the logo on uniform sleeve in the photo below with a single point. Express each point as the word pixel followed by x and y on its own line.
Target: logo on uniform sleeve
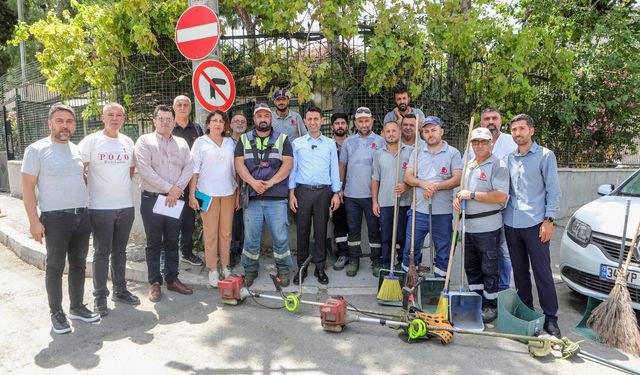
pixel 404 165
pixel 293 122
pixel 373 145
pixel 444 170
pixel 483 176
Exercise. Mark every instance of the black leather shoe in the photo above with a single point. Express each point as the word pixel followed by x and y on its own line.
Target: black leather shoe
pixel 321 275
pixel 296 278
pixel 552 329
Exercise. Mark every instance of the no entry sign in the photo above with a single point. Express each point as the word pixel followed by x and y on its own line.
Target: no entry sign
pixel 213 85
pixel 197 32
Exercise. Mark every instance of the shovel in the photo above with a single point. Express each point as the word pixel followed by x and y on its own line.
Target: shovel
pixel 429 290
pixel 465 307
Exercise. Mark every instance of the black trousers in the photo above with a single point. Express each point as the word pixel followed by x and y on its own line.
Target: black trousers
pixel 481 264
pixel 312 204
pixel 526 248
pixel 162 236
pixel 187 226
pixel 339 219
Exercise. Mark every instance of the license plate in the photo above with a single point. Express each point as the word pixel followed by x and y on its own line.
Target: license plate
pixel 611 273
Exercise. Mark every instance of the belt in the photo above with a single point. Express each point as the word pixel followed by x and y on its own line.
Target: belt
pixel 75 211
pixel 150 193
pixel 482 214
pixel 314 187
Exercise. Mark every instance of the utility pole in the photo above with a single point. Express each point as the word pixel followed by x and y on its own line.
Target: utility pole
pixel 200 113
pixel 23 66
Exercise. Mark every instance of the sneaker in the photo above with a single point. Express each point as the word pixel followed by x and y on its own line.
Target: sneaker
pixel 249 278
pixel 340 263
pixel 214 277
pixel 125 297
pixel 83 313
pixel 489 314
pixel 100 306
pixel 59 323
pixel 283 275
pixel 352 268
pixel 192 259
pixel 226 272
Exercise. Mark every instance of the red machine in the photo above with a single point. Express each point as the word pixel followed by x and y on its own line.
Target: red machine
pixel 333 314
pixel 230 289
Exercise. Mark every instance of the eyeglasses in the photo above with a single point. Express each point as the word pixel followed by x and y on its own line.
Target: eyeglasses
pixel 476 142
pixel 164 119
pixel 239 122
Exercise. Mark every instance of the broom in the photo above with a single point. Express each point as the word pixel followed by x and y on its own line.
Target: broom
pixel 390 290
pixel 614 320
pixel 443 302
pixel 412 275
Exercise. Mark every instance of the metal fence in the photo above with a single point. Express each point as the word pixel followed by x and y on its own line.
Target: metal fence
pixel 146 81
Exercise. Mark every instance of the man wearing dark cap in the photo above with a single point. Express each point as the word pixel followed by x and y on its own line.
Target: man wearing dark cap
pixel 356 167
pixel 439 171
pixel 485 192
pixel 263 159
pixel 284 120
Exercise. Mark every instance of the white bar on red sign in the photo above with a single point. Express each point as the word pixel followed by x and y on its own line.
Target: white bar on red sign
pixel 197 32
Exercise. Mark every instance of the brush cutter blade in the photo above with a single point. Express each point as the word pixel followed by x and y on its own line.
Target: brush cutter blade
pixel 465 310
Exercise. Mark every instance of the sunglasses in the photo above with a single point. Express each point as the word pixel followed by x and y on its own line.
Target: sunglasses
pixel 363 110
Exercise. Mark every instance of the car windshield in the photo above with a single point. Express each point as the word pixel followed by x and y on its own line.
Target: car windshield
pixel 631 188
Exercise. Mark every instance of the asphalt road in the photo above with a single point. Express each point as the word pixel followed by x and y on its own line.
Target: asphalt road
pixel 197 334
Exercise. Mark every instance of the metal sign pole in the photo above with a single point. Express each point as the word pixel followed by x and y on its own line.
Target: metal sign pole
pixel 200 114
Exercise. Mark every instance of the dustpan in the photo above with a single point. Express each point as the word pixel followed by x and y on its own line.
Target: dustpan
pixel 517 318
pixel 582 327
pixel 465 307
pixel 430 289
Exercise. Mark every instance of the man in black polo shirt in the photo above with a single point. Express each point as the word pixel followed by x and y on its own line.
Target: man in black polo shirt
pixel 190 131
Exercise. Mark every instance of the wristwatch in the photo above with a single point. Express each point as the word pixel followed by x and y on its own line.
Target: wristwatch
pixel 473 195
pixel 549 219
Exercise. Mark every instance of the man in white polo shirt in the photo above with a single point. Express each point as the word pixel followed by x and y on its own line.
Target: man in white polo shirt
pixel 109 164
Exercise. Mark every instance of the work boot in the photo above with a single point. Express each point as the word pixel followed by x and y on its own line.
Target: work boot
pixel 375 268
pixel 297 279
pixel 340 263
pixel 100 305
pixel 249 278
pixel 489 314
pixel 552 328
pixel 283 275
pixel 352 268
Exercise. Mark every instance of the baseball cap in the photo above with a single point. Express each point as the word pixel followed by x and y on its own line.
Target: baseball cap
pixel 432 120
pixel 363 112
pixel 262 107
pixel 481 133
pixel 280 94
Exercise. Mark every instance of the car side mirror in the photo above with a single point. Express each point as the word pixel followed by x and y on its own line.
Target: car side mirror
pixel 605 189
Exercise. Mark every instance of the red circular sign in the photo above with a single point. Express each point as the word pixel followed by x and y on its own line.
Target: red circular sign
pixel 197 32
pixel 213 85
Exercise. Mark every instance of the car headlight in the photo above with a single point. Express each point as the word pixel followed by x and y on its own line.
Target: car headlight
pixel 579 232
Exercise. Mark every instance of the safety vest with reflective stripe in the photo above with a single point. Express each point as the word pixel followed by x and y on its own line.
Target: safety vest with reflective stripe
pixel 265 169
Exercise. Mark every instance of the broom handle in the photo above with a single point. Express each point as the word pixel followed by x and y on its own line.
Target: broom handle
pixel 623 243
pixel 413 199
pixel 457 219
pixel 396 197
pixel 633 245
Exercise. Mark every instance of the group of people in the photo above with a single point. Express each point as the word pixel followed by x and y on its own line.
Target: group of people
pixel 239 180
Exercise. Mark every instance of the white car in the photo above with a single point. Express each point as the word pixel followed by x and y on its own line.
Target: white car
pixel 590 247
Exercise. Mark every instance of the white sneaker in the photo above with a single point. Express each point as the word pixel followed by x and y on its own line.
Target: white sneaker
pixel 214 277
pixel 226 273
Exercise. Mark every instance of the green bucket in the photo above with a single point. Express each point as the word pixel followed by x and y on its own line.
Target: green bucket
pixel 515 317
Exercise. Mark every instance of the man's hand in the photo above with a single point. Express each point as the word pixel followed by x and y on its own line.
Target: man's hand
pixel 464 194
pixel 175 193
pixel 376 209
pixel 396 112
pixel 335 202
pixel 170 201
pixel 37 231
pixel 258 186
pixel 267 185
pixel 341 196
pixel 546 231
pixel 401 188
pixel 293 202
pixel 457 203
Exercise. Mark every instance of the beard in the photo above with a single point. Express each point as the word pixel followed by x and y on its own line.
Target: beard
pixel 282 107
pixel 263 126
pixel 63 135
pixel 493 129
pixel 339 132
pixel 403 106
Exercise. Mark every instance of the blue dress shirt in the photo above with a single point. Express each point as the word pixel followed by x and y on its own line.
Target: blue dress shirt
pixel 315 162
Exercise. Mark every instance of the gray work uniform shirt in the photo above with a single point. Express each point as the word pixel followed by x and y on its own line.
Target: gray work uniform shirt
pixel 289 124
pixel 491 175
pixel 436 167
pixel 384 171
pixel 60 170
pixel 357 153
pixel 534 189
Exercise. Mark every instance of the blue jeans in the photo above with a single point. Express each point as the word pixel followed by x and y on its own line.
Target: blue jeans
pixel 162 234
pixel 354 208
pixel 274 212
pixel 504 262
pixel 442 228
pixel 386 233
pixel 66 235
pixel 111 230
